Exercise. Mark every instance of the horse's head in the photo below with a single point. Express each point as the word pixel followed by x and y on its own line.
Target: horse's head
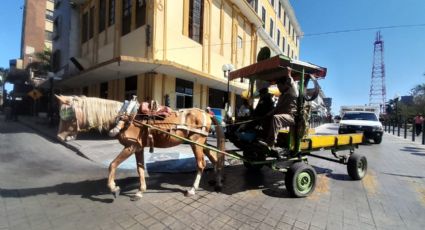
pixel 68 125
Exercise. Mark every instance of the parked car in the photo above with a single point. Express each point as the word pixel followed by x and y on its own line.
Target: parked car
pixel 360 121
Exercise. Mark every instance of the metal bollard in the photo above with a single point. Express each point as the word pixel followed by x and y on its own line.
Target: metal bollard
pixel 385 126
pixel 413 131
pixel 405 129
pixel 398 129
pixel 423 136
pixel 393 128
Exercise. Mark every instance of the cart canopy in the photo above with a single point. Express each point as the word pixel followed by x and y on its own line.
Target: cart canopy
pixel 278 67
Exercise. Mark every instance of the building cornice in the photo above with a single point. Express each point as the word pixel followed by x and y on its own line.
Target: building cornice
pixel 292 18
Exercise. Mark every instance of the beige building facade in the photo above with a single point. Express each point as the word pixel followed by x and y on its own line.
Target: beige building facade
pixel 173 50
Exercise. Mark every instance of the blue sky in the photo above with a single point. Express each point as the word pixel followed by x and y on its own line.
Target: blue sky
pixel 348 56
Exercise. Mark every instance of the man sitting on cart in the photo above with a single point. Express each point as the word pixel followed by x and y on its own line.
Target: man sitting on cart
pixel 284 112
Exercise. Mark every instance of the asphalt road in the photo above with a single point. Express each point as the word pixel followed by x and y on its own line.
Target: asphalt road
pixel 43 185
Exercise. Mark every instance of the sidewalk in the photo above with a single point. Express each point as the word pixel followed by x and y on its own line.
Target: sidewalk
pixel 102 149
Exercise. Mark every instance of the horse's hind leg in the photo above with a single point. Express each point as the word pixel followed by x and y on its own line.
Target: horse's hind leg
pixel 200 164
pixel 125 153
pixel 140 160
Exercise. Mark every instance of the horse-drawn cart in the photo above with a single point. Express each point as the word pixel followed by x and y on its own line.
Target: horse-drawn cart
pixel 295 143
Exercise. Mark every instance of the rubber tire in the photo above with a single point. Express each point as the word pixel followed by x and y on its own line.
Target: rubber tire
pixel 377 140
pixel 291 179
pixel 352 166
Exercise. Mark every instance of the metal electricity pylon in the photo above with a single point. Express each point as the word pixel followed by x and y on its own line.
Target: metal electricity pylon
pixel 378 93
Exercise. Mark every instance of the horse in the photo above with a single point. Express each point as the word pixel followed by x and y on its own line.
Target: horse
pixel 79 113
pixel 193 124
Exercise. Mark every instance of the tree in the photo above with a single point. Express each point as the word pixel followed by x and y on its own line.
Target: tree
pixel 43 64
pixel 418 93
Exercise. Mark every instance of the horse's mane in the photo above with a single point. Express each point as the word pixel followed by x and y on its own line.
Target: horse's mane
pixel 97 112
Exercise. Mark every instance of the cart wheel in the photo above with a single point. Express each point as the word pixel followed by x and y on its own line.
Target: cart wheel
pixel 357 166
pixel 300 180
pixel 252 167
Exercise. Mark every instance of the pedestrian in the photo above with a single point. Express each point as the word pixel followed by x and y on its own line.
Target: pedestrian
pixel 419 119
pixel 245 110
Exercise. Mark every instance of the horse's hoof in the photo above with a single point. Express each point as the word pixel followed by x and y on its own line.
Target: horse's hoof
pixel 137 196
pixel 116 192
pixel 189 193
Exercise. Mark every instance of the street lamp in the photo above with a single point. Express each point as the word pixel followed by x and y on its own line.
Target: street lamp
pixel 227 68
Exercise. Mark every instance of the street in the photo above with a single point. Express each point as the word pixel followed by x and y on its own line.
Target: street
pixel 44 185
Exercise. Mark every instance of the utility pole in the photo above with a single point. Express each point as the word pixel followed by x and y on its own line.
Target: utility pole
pixel 378 93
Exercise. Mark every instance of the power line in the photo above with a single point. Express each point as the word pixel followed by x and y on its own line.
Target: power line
pixel 362 29
pixel 308 35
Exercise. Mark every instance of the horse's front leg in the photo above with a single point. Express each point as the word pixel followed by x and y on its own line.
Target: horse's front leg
pixel 125 153
pixel 200 163
pixel 140 161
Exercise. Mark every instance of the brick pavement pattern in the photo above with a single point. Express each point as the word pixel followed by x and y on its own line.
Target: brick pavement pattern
pixel 71 193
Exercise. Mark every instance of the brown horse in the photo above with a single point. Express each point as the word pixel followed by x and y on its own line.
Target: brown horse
pixel 193 124
pixel 85 113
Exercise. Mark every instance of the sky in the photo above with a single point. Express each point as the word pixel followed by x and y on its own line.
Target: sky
pixel 347 56
pixel 10 32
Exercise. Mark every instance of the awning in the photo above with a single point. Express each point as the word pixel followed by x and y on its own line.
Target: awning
pixel 277 67
pixel 125 66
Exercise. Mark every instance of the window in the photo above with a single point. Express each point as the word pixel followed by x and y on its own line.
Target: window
pixel 140 13
pixel 102 15
pixel 91 23
pixel 240 42
pixel 278 37
pixel 263 16
pixel 296 42
pixel 184 94
pixel 292 53
pixel 284 18
pixel 289 48
pixel 126 17
pixel 49 15
pixel 283 44
pixel 279 11
pixel 217 98
pixel 111 12
pixel 130 87
pixel 289 31
pixel 293 33
pixel 254 4
pixel 103 90
pixel 48 35
pixel 272 2
pixel 56 27
pixel 56 58
pixel 85 27
pixel 196 20
pixel 271 27
pixel 57 3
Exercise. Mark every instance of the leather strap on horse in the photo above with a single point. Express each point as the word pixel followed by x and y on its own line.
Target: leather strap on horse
pixel 183 126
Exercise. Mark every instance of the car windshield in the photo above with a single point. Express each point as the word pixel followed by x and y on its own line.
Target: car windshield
pixel 360 116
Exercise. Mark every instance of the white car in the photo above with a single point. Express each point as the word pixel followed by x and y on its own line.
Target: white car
pixel 365 122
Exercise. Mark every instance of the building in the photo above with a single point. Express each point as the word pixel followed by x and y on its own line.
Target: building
pixel 168 50
pixel 37 28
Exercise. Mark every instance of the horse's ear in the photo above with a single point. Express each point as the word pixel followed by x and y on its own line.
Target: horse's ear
pixel 61 99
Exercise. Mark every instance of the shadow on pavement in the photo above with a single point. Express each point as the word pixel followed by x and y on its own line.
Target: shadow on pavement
pixel 414 150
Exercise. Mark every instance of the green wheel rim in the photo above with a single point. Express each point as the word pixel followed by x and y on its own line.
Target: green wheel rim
pixel 361 167
pixel 304 182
